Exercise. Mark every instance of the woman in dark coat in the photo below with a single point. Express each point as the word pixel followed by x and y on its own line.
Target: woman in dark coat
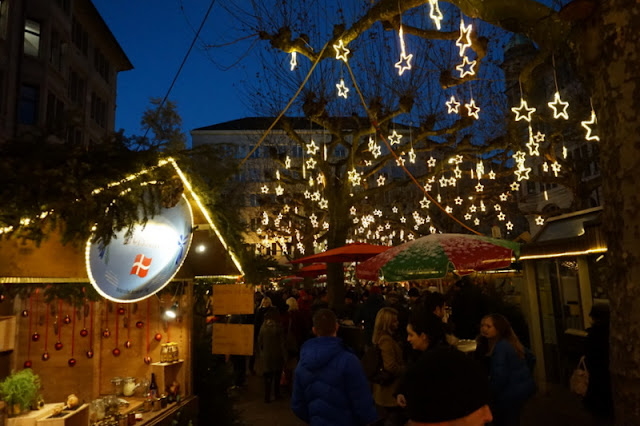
pixel 510 379
pixel 598 399
pixel 272 352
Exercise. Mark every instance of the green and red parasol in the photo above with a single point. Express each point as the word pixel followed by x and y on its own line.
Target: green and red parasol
pixel 434 255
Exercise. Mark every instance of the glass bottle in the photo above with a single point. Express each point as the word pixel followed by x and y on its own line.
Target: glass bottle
pixel 153 387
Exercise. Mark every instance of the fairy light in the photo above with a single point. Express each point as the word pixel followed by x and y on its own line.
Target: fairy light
pixel 464 40
pixel 492 175
pixel 294 60
pixel 523 112
pixel 404 63
pixel 559 107
pixel 539 221
pixel 341 50
pixel 342 89
pixel 546 195
pixel 453 106
pixel 565 152
pixel 311 163
pixel 435 14
pixel 466 67
pixel 533 145
pixel 381 180
pixel 587 124
pixel 458 201
pixel 394 138
pixel 264 189
pixel 479 187
pixel 556 167
pixel 400 161
pixel 354 177
pixel 412 156
pixel 287 162
pixel 425 202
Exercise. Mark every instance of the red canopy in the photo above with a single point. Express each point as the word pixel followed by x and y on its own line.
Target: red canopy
pixel 312 270
pixel 354 252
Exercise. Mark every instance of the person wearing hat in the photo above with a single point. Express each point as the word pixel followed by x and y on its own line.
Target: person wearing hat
pixel 446 388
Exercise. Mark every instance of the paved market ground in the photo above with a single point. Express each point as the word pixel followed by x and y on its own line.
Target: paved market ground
pixel 557 408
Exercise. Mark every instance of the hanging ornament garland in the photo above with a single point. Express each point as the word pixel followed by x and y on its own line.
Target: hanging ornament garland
pixel 89 352
pixel 28 363
pixel 116 350
pixel 127 319
pixel 72 360
pixel 84 332
pixel 45 354
pixel 147 358
pixel 36 336
pixel 57 326
pixel 106 333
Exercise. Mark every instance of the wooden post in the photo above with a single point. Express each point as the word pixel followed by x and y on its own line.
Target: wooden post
pixel 532 312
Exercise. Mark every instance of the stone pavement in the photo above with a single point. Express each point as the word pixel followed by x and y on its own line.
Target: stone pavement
pixel 556 408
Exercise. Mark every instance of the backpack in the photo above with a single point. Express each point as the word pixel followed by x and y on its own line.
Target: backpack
pixel 373 367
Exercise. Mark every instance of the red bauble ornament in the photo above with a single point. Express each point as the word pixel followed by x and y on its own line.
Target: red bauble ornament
pixel 106 333
pixel 127 344
pixel 58 346
pixel 139 324
pixel 121 310
pixel 67 319
pixel 89 354
pixel 35 337
pixel 25 313
pixel 27 364
pixel 158 337
pixel 147 360
pixel 71 362
pixel 45 356
pixel 2 297
pixel 116 352
pixel 84 332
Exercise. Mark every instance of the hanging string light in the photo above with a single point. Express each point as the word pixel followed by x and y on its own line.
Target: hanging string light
pixel 404 63
pixel 435 14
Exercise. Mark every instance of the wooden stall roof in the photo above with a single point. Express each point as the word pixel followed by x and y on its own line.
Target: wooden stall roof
pixel 577 233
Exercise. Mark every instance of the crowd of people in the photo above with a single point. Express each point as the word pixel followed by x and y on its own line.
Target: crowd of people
pixel 298 343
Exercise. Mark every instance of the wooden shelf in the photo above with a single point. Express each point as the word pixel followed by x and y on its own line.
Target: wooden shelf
pixel 167 372
pixel 79 417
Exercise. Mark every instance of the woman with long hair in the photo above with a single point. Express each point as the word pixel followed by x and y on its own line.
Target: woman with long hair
pixel 509 375
pixel 385 326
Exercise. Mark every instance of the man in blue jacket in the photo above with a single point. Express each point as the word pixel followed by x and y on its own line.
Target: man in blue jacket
pixel 330 387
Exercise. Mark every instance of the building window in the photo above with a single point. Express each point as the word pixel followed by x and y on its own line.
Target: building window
pixel 31 38
pixel 28 105
pixel 77 88
pixel 55 51
pixel 55 111
pixel 79 37
pixel 64 5
pixel 101 64
pixel 98 110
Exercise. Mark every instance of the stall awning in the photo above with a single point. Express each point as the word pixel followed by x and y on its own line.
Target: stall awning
pixel 573 234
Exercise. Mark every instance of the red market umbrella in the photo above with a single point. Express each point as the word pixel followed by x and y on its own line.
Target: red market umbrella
pixel 291 279
pixel 354 252
pixel 312 270
pixel 434 255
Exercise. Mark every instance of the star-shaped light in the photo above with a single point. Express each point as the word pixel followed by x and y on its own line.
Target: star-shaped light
pixel 473 208
pixel 354 177
pixel 323 204
pixel 457 159
pixel 556 168
pixel 403 219
pixel 412 156
pixel 434 13
pixel 368 163
pixel 479 187
pixel 565 152
pixel 559 108
pixel 476 221
pixel 287 162
pixel 377 212
pixel 394 209
pixel 448 209
pixel 443 181
pixel 312 148
pixel 294 60
pixel 404 63
pixel 265 189
pixel 457 172
pixel 502 216
pixel 523 173
pixel 492 175
pixel 286 208
pixel 509 226
pixel 467 216
pixel 381 180
pixel 545 167
pixel 431 162
pixel 315 196
pixel 279 190
pixel 533 147
pixel 464 40
pixel 311 163
pixel 497 207
pixel 472 109
pixel 458 201
pixel 466 67
pixel 341 50
pixel 400 161
pixel 307 194
pixel 452 181
pixel 428 187
pixel 539 137
pixel 320 179
pixel 519 157
pixel 515 186
pixel 374 148
pixel 425 202
pixel 352 210
pixel 523 112
pixel 504 196
pixel 452 105
pixel 539 221
pixel 342 89
pixel 588 123
pixel 394 138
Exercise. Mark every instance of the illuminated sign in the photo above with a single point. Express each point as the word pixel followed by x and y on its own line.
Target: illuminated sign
pixel 135 267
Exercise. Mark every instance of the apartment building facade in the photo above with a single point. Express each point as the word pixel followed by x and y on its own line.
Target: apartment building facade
pixel 59 63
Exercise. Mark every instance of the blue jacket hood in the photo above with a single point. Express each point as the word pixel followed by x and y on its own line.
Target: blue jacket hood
pixel 316 353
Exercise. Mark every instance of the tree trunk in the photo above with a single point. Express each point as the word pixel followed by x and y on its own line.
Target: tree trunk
pixel 609 50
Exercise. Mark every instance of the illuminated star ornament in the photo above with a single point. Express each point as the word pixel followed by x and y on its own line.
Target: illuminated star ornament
pixel 342 89
pixel 523 112
pixel 341 50
pixel 434 13
pixel 479 187
pixel 523 173
pixel 294 60
pixel 504 196
pixel 588 123
pixel 452 105
pixel 412 156
pixel 464 40
pixel 354 177
pixel 431 162
pixel 515 186
pixel 312 148
pixel 265 189
pixel 352 210
pixel 311 163
pixel 405 60
pixel 539 221
pixel 287 162
pixel 559 108
pixel 466 67
pixel 472 109
pixel 425 202
pixel 458 201
pixel 381 180
pixel 394 138
pixel 509 225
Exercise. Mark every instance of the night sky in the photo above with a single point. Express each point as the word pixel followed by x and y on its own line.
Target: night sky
pixel 156 36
